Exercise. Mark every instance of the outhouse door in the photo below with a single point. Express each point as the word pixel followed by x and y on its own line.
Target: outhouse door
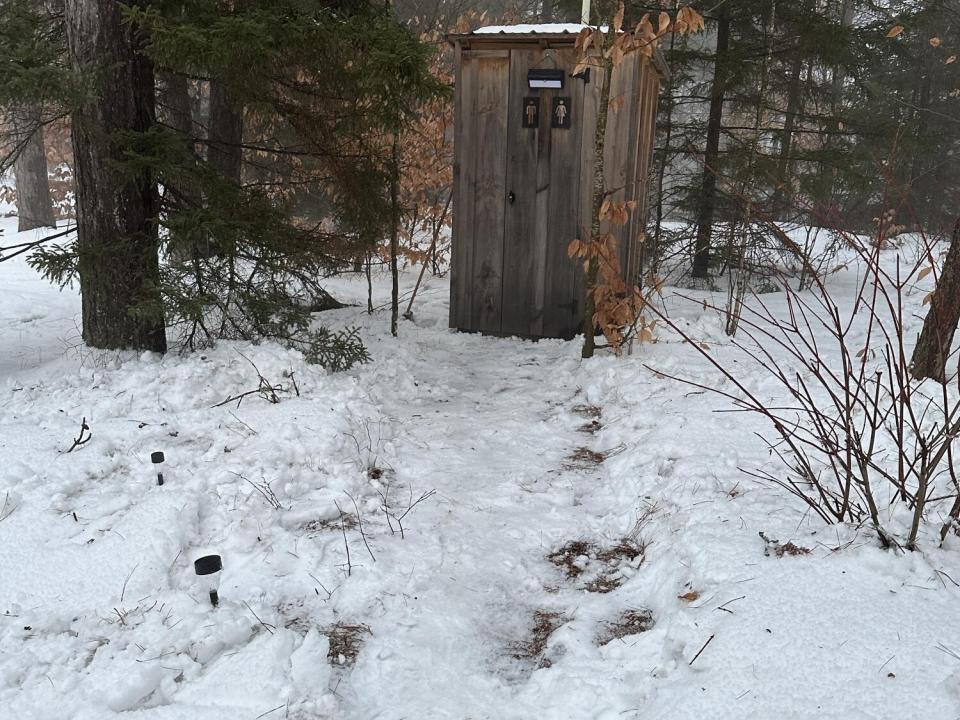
pixel 519 199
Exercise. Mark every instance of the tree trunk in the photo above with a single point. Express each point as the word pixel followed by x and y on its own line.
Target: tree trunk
pixel 173 102
pixel 667 120
pixel 225 133
pixel 933 348
pixel 116 212
pixel 34 207
pixel 395 234
pixel 794 98
pixel 599 194
pixel 708 186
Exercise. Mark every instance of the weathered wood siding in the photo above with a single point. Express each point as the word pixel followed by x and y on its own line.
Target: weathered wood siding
pixel 522 194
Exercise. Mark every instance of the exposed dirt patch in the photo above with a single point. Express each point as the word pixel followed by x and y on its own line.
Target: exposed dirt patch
pixel 315 527
pixel 545 623
pixel 584 458
pixel 591 428
pixel 568 557
pixel 587 411
pixel 381 474
pixel 791 549
pixel 630 622
pixel 598 567
pixel 345 643
pixel 775 547
pixel 295 617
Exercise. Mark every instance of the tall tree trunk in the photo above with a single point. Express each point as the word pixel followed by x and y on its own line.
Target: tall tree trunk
pixel 395 234
pixel 794 98
pixel 225 133
pixel 116 213
pixel 173 102
pixel 34 207
pixel 933 347
pixel 665 159
pixel 708 186
pixel 174 110
pixel 838 75
pixel 599 194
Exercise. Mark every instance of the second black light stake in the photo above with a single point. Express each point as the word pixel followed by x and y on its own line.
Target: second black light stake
pixel 208 570
pixel 157 459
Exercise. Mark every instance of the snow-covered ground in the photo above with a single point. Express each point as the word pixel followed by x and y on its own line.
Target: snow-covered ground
pixel 475 611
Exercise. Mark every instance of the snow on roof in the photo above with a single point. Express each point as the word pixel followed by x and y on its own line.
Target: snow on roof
pixel 541 29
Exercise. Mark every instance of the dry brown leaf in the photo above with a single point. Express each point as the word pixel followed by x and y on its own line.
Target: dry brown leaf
pixel 923 273
pixel 583 39
pixel 689 596
pixel 934 42
pixel 894 31
pixel 950 60
pixel 928 298
pixel 618 18
pixel 663 23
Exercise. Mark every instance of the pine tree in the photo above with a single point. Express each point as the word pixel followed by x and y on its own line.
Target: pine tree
pixel 117 207
pixel 288 189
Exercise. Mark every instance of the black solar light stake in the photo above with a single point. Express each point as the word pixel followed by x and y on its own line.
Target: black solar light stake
pixel 157 459
pixel 208 570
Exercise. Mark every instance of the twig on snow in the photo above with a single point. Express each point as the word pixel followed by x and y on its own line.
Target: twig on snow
pixel 7 509
pixel 270 711
pixel 264 489
pixel 360 525
pixel 265 625
pixel 80 439
pixel 343 529
pixel 123 591
pixel 709 640
pixel 411 506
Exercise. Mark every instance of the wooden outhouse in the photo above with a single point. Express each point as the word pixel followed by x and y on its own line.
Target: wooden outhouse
pixel 522 181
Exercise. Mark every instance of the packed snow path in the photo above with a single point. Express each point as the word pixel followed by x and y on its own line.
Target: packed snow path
pixel 589 534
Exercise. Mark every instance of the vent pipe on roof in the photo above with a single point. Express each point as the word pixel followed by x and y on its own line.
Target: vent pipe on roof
pixel 585 12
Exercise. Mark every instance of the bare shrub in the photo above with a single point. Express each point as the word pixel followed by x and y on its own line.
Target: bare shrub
pixel 854 430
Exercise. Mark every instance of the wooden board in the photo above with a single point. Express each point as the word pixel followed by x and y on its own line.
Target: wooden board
pixel 492 95
pixel 456 229
pixel 563 305
pixel 464 188
pixel 648 93
pixel 479 167
pixel 523 253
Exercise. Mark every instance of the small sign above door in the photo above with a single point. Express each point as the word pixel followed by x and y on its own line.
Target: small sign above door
pixel 531 112
pixel 560 117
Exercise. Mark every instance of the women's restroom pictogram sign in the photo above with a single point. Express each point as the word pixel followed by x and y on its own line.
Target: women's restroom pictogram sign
pixel 560 117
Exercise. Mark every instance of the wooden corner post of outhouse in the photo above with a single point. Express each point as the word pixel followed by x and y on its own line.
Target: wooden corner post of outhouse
pixel 523 168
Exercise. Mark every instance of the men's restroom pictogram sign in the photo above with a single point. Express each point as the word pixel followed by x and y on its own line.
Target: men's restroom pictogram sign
pixel 531 112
